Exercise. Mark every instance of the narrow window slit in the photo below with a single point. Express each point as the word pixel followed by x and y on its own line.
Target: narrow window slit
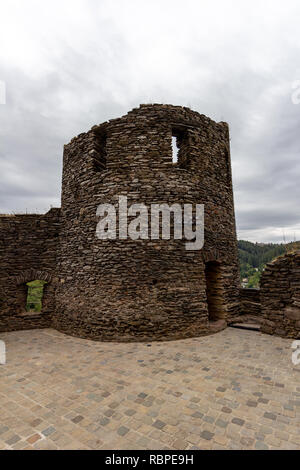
pixel 180 147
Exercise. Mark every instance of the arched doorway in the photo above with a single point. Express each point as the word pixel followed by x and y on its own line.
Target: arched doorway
pixel 34 293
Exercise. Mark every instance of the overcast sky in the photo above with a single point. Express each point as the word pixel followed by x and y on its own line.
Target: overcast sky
pixel 70 64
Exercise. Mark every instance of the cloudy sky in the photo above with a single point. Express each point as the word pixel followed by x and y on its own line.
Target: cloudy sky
pixel 70 64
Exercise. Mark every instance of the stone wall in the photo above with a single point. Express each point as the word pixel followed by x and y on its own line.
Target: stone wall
pixel 28 246
pixel 129 290
pixel 250 306
pixel 280 296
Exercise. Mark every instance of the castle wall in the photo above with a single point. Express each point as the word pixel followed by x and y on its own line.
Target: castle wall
pixel 280 296
pixel 145 289
pixel 28 246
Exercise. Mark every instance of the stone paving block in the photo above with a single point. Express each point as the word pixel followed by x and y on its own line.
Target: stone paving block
pixel 221 423
pixel 13 440
pixel 122 431
pixel 159 424
pixel 270 416
pixel 34 438
pixel 207 435
pixel 259 445
pixel 238 421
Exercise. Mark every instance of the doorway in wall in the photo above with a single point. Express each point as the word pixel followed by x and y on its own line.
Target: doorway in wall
pixel 214 291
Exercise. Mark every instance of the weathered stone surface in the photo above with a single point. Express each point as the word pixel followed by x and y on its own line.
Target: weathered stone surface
pixel 293 313
pixel 269 323
pixel 280 291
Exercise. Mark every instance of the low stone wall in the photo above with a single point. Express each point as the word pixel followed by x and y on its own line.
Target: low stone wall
pixel 250 302
pixel 280 296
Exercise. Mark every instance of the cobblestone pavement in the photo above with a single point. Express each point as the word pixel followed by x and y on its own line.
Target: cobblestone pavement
pixel 234 390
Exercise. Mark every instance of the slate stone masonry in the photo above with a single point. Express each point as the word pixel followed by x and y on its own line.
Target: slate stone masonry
pixel 250 306
pixel 280 296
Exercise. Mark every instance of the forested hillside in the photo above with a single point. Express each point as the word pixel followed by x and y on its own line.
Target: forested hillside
pixel 254 256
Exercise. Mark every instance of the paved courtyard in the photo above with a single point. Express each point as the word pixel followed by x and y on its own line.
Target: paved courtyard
pixel 234 390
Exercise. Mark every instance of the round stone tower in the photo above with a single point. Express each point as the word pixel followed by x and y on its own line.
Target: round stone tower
pixel 134 290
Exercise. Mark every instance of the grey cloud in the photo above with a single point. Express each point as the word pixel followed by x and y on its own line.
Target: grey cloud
pixel 266 217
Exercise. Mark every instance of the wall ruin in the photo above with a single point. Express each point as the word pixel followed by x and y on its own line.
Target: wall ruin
pixel 28 248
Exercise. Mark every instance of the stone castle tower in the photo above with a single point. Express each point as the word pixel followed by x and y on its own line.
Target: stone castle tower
pixel 131 290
